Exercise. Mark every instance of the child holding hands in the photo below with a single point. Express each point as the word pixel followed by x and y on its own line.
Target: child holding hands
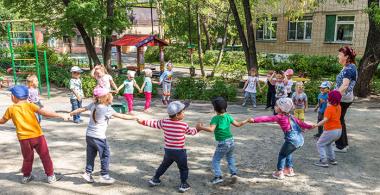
pixel 147 86
pixel 220 125
pixel 99 72
pixel 130 85
pixel 76 91
pixel 101 113
pixel 250 87
pixel 174 137
pixel 332 130
pixel 29 132
pixel 292 128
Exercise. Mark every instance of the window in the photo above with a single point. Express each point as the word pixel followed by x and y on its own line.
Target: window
pixel 267 30
pixel 339 28
pixel 79 39
pixel 300 30
pixel 66 39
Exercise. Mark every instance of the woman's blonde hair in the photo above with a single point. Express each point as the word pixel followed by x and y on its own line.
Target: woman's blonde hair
pixel 105 99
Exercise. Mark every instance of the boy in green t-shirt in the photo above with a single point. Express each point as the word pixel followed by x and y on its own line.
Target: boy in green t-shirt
pixel 220 125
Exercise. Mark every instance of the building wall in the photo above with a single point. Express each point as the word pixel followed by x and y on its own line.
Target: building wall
pixel 318 46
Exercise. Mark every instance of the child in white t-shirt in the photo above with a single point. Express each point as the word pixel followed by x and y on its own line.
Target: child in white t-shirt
pixel 250 87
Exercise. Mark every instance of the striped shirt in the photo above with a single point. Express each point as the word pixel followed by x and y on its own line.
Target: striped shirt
pixel 174 131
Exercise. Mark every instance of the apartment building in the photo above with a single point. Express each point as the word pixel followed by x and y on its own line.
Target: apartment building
pixel 321 32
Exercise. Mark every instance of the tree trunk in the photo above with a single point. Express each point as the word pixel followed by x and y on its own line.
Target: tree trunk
pixel 87 43
pixel 371 58
pixel 241 32
pixel 251 36
pixel 200 53
pixel 161 17
pixel 220 56
pixel 207 33
pixel 107 49
pixel 86 39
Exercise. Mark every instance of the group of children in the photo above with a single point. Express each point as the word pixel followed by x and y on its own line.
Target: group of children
pixel 31 138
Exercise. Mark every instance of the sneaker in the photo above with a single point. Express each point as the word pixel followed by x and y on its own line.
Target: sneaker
pixel 243 105
pixel 154 182
pixel 254 106
pixel 51 179
pixel 320 163
pixel 27 179
pixel 289 172
pixel 234 178
pixel 278 175
pixel 333 162
pixel 217 180
pixel 266 108
pixel 106 179
pixel 344 150
pixel 184 187
pixel 88 177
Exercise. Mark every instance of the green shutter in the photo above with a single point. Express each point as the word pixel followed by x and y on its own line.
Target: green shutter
pixel 330 28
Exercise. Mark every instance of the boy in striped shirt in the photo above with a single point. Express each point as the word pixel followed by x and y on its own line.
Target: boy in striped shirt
pixel 174 136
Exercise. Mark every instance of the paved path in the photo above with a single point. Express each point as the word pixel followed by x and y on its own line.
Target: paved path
pixel 137 151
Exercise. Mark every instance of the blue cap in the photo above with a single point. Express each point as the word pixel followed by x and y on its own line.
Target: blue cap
pixel 20 92
pixel 325 84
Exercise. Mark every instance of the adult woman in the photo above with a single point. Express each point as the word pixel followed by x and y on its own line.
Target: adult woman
pixel 345 83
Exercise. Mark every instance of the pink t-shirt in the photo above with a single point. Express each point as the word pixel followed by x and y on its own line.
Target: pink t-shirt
pixel 282 120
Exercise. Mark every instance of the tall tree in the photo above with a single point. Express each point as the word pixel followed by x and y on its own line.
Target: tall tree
pixel 371 58
pixel 248 52
pixel 88 17
pixel 200 53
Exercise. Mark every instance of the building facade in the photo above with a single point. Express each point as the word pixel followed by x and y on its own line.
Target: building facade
pixel 141 24
pixel 321 32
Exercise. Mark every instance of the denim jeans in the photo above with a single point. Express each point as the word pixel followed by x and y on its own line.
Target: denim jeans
pixel 75 104
pixel 94 146
pixel 285 158
pixel 174 155
pixel 251 96
pixel 224 148
pixel 39 117
pixel 324 144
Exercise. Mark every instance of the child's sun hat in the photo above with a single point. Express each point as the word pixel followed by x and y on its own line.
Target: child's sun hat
pixel 131 73
pixel 176 107
pixel 100 91
pixel 334 97
pixel 76 69
pixel 289 72
pixel 285 104
pixel 20 92
pixel 325 84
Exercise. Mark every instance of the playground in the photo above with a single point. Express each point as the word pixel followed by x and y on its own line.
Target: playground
pixel 310 59
pixel 256 153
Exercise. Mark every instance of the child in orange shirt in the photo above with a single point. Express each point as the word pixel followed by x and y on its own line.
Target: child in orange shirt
pixel 332 130
pixel 29 132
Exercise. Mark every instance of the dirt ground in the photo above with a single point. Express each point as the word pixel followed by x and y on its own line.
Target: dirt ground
pixel 137 151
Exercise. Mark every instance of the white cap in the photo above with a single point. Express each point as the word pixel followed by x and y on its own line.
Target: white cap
pixel 131 73
pixel 176 107
pixel 76 69
pixel 285 104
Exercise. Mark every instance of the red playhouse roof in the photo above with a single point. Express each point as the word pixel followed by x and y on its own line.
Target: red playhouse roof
pixel 139 40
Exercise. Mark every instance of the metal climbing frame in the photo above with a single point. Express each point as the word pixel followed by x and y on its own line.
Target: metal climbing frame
pixel 20 62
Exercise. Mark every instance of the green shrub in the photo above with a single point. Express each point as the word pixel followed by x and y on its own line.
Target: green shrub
pixel 202 89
